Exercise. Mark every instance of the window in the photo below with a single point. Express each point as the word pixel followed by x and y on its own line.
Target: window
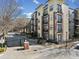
pixel 59 28
pixel 51 7
pixel 51 17
pixel 38 28
pixel 38 34
pixel 51 27
pixel 59 18
pixel 38 21
pixel 38 13
pixel 59 8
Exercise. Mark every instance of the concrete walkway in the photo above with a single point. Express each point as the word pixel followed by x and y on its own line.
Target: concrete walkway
pixel 39 52
pixel 18 53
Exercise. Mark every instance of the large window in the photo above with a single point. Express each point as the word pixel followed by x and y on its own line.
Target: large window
pixel 59 28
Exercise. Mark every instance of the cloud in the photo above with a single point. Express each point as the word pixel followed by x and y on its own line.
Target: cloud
pixel 35 1
pixel 28 14
pixel 21 7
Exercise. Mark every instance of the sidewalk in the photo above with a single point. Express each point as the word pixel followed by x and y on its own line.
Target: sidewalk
pixel 39 52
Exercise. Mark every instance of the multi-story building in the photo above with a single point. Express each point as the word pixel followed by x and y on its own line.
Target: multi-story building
pixel 77 23
pixel 34 24
pixel 55 21
pixel 39 10
pixel 59 20
pixel 45 22
pixel 71 23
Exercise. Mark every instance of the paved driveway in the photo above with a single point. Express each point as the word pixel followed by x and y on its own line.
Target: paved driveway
pixel 18 53
pixel 36 52
pixel 41 53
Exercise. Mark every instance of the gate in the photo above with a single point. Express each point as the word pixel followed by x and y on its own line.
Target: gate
pixel 14 41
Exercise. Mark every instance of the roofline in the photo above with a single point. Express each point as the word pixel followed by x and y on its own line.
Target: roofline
pixel 45 2
pixel 65 4
pixel 39 6
pixel 33 13
pixel 77 8
pixel 71 8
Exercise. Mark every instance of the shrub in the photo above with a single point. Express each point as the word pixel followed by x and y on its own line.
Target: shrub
pixel 2 50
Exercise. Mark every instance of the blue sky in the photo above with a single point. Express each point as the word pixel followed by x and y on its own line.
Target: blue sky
pixel 28 6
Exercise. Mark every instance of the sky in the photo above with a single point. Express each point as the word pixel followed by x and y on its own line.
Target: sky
pixel 28 6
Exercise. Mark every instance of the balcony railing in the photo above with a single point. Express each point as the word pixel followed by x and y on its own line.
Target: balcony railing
pixel 77 22
pixel 45 22
pixel 45 13
pixel 45 28
pixel 77 33
pixel 45 35
pixel 59 9
pixel 45 19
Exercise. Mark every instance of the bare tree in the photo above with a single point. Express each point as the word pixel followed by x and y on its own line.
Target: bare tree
pixel 21 23
pixel 9 10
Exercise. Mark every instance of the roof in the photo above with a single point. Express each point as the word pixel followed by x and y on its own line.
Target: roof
pixel 39 6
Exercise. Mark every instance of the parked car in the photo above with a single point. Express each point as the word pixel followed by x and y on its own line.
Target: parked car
pixel 76 46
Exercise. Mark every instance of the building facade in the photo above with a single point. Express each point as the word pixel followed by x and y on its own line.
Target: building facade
pixel 39 10
pixel 55 21
pixel 76 23
pixel 34 24
pixel 45 22
pixel 71 23
pixel 59 20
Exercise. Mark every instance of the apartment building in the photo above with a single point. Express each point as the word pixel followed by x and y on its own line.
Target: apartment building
pixel 59 20
pixel 39 10
pixel 34 24
pixel 71 23
pixel 53 21
pixel 76 23
pixel 45 22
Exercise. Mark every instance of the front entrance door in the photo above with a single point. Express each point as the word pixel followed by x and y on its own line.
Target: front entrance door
pixel 59 38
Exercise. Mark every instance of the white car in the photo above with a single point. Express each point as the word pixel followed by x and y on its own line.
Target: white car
pixel 75 49
pixel 76 46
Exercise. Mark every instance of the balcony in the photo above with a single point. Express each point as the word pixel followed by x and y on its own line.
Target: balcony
pixel 45 28
pixel 45 12
pixel 77 22
pixel 76 28
pixel 77 18
pixel 77 33
pixel 45 19
pixel 45 35
pixel 59 9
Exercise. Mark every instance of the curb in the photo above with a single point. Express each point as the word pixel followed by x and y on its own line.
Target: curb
pixel 2 53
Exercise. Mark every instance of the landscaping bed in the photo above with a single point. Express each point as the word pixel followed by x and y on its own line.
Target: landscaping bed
pixel 2 50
